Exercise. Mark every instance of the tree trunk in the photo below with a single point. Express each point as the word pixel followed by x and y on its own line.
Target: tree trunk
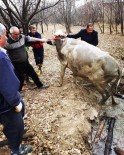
pixel 42 30
pixel 121 16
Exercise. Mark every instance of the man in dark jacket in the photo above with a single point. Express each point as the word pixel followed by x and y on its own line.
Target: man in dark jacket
pixel 89 35
pixel 17 52
pixel 38 49
pixel 11 104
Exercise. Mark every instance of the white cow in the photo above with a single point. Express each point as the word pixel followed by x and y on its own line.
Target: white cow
pixel 88 61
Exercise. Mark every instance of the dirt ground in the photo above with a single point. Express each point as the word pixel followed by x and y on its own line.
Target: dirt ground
pixel 58 117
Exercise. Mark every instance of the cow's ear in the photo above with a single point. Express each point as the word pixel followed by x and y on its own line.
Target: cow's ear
pixel 63 39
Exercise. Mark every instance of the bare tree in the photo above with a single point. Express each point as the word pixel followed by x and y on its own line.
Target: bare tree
pixel 63 14
pixel 120 4
pixel 114 14
pixel 22 12
pixel 104 11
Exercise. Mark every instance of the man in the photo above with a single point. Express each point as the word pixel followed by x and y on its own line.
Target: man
pixel 89 35
pixel 17 52
pixel 38 49
pixel 10 100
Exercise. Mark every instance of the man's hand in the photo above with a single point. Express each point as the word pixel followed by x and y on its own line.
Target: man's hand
pixel 18 108
pixel 44 40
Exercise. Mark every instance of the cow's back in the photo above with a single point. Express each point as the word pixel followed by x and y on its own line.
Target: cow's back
pixel 80 54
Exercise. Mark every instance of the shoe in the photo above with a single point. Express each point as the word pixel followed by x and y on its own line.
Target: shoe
pixel 44 86
pixel 14 153
pixel 30 81
pixel 25 149
pixel 38 72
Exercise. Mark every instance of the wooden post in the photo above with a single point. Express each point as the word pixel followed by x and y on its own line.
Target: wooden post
pixel 109 139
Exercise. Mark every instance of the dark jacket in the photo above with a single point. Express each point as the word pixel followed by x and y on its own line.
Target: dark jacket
pixel 91 38
pixel 9 85
pixel 37 44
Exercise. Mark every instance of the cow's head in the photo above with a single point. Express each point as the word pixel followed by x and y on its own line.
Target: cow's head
pixel 60 33
pixel 60 36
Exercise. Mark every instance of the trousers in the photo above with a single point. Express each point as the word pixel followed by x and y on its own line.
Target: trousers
pixel 13 128
pixel 38 55
pixel 25 68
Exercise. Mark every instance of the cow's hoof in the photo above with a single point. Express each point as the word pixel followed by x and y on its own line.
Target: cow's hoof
pixel 114 103
pixel 58 85
pixel 100 102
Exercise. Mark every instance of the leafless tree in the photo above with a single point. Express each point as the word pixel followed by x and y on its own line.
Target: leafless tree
pixel 63 14
pixel 104 11
pixel 23 12
pixel 114 13
pixel 120 13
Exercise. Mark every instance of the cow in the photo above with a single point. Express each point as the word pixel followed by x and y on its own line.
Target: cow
pixel 89 62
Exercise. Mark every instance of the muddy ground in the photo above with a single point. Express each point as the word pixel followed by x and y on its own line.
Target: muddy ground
pixel 60 117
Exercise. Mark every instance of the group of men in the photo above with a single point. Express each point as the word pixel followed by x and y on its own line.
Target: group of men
pixel 14 64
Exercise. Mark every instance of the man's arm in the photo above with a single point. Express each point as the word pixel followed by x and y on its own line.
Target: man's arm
pixel 75 36
pixel 33 39
pixel 38 39
pixel 95 40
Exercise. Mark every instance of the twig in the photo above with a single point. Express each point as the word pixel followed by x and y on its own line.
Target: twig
pixel 99 131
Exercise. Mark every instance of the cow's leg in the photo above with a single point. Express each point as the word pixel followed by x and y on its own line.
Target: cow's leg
pixel 108 90
pixel 113 101
pixel 75 79
pixel 113 87
pixel 100 84
pixel 103 93
pixel 95 74
pixel 62 73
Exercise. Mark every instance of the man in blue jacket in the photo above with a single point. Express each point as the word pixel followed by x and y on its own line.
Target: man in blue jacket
pixel 89 35
pixel 38 49
pixel 11 104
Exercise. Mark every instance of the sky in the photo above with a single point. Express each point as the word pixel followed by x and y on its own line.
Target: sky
pixel 79 2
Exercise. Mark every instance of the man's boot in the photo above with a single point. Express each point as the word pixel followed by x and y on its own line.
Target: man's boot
pixel 39 71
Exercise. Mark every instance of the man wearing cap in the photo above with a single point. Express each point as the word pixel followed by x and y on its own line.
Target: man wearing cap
pixel 38 49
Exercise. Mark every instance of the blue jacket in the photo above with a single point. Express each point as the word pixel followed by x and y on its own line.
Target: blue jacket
pixel 91 38
pixel 9 85
pixel 37 44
